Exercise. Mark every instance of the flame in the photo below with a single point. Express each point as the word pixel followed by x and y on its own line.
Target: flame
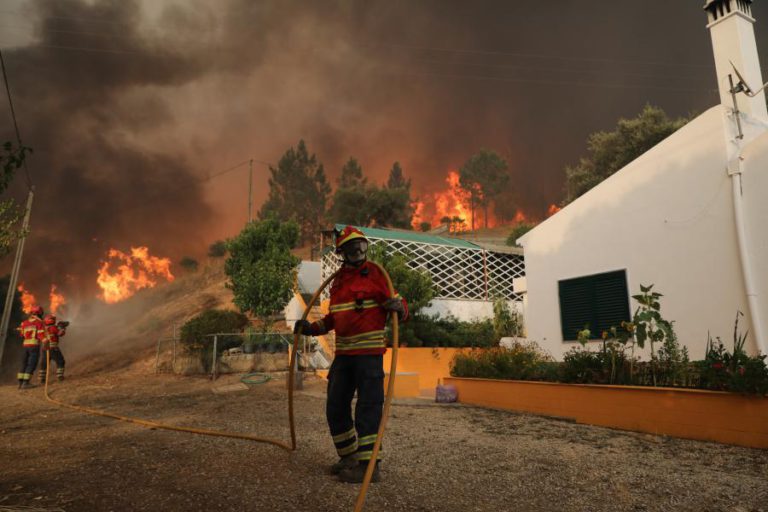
pixel 57 300
pixel 28 300
pixel 418 215
pixel 553 209
pixel 123 274
pixel 519 217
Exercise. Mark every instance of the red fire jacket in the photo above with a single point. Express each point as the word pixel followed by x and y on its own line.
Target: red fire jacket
pixel 52 335
pixel 33 331
pixel 356 313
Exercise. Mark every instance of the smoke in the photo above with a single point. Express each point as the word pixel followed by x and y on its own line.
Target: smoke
pixel 130 105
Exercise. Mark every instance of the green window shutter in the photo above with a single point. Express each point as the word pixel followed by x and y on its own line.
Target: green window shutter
pixel 598 301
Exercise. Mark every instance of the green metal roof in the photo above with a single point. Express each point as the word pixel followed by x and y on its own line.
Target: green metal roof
pixel 413 236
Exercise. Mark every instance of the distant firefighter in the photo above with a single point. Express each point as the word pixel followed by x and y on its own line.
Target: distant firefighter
pixel 53 333
pixel 32 331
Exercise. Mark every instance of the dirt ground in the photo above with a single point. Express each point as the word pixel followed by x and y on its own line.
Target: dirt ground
pixel 437 457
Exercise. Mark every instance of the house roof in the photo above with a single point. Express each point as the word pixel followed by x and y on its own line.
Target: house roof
pixel 413 236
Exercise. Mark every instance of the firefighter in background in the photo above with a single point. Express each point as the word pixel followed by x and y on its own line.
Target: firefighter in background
pixel 32 331
pixel 53 332
pixel 359 307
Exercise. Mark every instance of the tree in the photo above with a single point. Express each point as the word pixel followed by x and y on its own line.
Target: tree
pixel 362 204
pixel 393 203
pixel 397 178
pixel 610 151
pixel 11 160
pixel 261 268
pixel 415 285
pixel 189 264
pixel 352 199
pixel 217 249
pixel 519 230
pixel 483 177
pixel 425 226
pixel 298 190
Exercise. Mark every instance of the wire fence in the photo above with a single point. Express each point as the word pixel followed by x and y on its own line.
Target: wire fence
pixel 236 353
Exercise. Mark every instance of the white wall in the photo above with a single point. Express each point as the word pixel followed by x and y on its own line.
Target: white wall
pixel 466 310
pixel 755 187
pixel 667 218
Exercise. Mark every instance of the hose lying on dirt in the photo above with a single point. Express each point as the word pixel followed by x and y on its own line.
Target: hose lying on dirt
pixel 248 378
pixel 385 415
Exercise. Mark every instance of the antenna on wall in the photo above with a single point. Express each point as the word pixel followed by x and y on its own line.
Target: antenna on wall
pixel 743 86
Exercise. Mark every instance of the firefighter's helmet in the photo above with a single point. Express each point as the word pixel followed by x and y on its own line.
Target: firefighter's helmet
pixel 348 234
pixel 49 320
pixel 37 311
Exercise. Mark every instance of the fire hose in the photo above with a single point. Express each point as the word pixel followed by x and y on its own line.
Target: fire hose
pixel 292 447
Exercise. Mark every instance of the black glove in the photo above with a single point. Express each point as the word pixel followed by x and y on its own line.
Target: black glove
pixel 395 306
pixel 302 327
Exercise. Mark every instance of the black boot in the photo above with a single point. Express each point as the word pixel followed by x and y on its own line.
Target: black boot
pixel 21 383
pixel 356 474
pixel 345 462
pixel 24 385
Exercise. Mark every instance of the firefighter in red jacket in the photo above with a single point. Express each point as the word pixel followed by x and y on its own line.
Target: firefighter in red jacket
pixel 53 332
pixel 32 331
pixel 359 307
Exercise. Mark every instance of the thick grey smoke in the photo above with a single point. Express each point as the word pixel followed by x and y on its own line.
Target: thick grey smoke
pixel 130 104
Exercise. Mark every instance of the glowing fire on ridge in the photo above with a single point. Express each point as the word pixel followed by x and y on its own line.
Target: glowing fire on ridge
pixel 28 300
pixel 123 274
pixel 450 202
pixel 553 209
pixel 57 300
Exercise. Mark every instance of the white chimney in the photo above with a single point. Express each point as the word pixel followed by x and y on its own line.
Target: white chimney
pixel 733 41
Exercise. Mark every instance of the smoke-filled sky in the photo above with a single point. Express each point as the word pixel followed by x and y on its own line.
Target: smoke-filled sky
pixel 129 105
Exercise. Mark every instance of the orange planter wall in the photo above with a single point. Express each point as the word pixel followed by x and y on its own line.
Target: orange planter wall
pixel 692 414
pixel 429 363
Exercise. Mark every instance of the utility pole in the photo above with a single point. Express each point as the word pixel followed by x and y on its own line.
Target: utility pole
pixel 250 189
pixel 14 276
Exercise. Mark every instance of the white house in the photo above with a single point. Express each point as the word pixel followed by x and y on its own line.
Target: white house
pixel 690 216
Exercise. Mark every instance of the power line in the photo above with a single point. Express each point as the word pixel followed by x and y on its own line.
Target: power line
pixel 15 124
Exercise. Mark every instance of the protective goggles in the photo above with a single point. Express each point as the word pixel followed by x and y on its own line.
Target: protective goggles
pixel 356 247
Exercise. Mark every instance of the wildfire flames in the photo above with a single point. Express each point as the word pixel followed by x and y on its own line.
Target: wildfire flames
pixel 123 274
pixel 450 203
pixel 553 209
pixel 27 299
pixel 56 299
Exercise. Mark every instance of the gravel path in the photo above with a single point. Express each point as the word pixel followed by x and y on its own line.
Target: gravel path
pixel 437 457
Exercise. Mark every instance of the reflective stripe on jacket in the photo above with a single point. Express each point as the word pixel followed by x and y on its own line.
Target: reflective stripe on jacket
pixel 32 330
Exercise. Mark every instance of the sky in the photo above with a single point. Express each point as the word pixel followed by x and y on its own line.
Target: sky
pixel 142 114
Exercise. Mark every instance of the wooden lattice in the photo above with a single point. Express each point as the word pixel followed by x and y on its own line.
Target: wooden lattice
pixel 458 272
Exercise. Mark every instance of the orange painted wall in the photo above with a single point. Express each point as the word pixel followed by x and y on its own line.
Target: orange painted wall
pixel 430 364
pixel 692 414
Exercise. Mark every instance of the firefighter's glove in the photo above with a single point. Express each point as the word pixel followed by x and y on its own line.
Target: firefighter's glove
pixel 302 327
pixel 395 306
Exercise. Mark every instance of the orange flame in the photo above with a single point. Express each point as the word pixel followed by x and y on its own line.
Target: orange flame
pixel 57 300
pixel 28 300
pixel 553 209
pixel 123 274
pixel 418 214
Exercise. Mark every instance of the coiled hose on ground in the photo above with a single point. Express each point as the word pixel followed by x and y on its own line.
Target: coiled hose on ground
pixel 207 432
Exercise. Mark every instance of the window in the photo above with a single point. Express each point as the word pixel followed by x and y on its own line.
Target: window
pixel 598 301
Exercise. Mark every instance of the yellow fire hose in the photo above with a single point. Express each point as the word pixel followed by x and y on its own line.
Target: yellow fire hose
pixel 385 414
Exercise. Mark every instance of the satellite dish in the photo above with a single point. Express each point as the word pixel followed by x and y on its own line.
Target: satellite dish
pixel 743 83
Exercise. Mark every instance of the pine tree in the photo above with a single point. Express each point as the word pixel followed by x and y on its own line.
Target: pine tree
pixel 298 190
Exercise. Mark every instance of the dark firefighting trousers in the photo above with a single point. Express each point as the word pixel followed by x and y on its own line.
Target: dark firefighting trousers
pixel 58 358
pixel 29 358
pixel 364 374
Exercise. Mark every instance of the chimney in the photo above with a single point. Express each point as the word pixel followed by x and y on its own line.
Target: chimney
pixel 733 41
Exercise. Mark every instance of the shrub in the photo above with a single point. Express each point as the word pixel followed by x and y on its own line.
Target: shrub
pixel 522 361
pixel 733 371
pixel 189 264
pixel 217 249
pixel 435 331
pixel 505 321
pixel 194 333
pixel 518 231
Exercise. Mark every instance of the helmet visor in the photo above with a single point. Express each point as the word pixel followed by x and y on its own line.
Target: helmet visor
pixel 355 250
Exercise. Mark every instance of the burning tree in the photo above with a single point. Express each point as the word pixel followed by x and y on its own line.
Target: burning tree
pixel 261 268
pixel 483 177
pixel 11 159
